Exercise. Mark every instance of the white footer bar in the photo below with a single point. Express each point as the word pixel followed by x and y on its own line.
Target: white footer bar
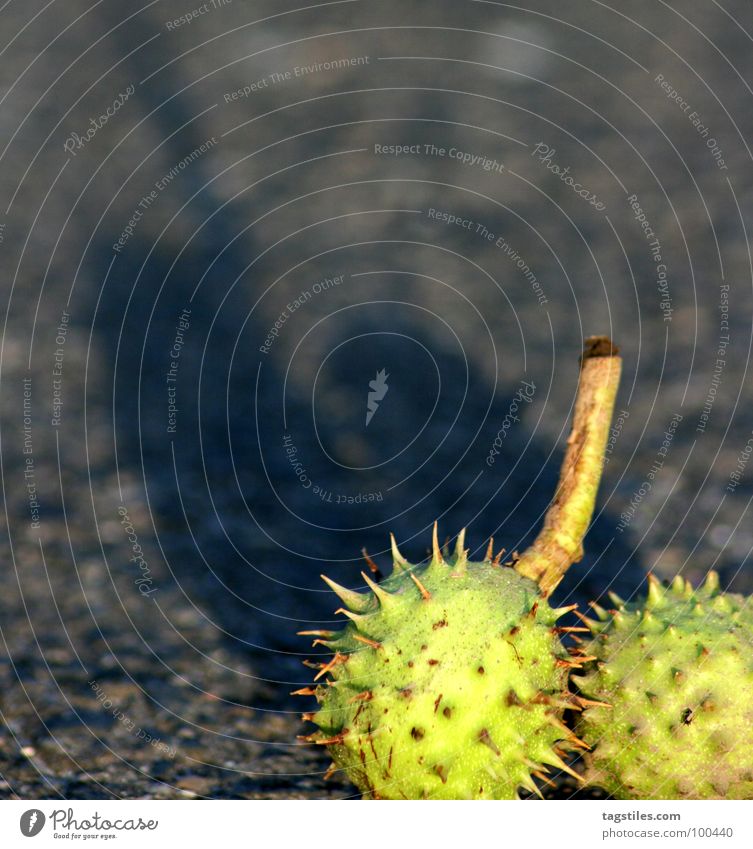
pixel 376 825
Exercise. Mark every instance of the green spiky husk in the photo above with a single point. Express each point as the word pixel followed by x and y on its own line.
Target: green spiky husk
pixel 452 686
pixel 677 670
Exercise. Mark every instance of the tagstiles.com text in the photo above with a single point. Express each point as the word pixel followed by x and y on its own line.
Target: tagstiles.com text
pixel 633 827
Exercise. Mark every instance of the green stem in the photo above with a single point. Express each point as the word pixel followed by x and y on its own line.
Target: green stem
pixel 560 542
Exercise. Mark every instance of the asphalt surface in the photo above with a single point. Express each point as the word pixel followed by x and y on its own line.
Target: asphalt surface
pixel 216 230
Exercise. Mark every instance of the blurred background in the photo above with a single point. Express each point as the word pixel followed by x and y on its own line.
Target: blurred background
pixel 230 231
